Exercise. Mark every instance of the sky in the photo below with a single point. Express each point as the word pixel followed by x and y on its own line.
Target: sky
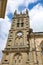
pixel 35 9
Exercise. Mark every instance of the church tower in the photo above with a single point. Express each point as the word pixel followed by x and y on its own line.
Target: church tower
pixel 19 49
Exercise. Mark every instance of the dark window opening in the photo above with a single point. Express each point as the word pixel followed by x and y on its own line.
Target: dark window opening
pixel 11 32
pixel 22 24
pixel 17 24
pixel 9 40
pixel 8 45
pixel 11 35
pixel 27 62
pixel 6 60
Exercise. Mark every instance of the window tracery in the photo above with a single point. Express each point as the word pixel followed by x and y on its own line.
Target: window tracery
pixel 17 58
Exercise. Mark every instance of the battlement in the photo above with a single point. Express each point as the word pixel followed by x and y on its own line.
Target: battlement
pixel 16 15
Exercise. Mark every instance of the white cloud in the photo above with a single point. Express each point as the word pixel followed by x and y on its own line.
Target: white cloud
pixel 36 18
pixel 31 1
pixel 4 28
pixel 12 5
pixel 0 56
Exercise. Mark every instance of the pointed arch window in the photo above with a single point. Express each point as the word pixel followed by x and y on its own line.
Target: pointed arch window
pixel 17 58
pixel 20 23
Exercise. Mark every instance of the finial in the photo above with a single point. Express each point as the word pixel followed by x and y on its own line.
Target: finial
pixel 30 31
pixel 15 12
pixel 20 12
pixel 26 11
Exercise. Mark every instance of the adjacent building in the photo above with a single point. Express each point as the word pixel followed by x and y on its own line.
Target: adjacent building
pixel 2 8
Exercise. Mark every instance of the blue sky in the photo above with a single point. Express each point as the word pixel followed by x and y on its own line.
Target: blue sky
pixel 31 5
pixel 35 8
pixel 22 6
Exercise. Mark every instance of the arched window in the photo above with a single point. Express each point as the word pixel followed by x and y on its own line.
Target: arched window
pixel 20 23
pixel 19 39
pixel 42 47
pixel 17 58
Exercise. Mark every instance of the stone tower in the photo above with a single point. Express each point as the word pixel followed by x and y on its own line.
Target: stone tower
pixel 21 47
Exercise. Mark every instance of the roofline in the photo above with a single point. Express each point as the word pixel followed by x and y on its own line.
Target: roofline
pixel 37 32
